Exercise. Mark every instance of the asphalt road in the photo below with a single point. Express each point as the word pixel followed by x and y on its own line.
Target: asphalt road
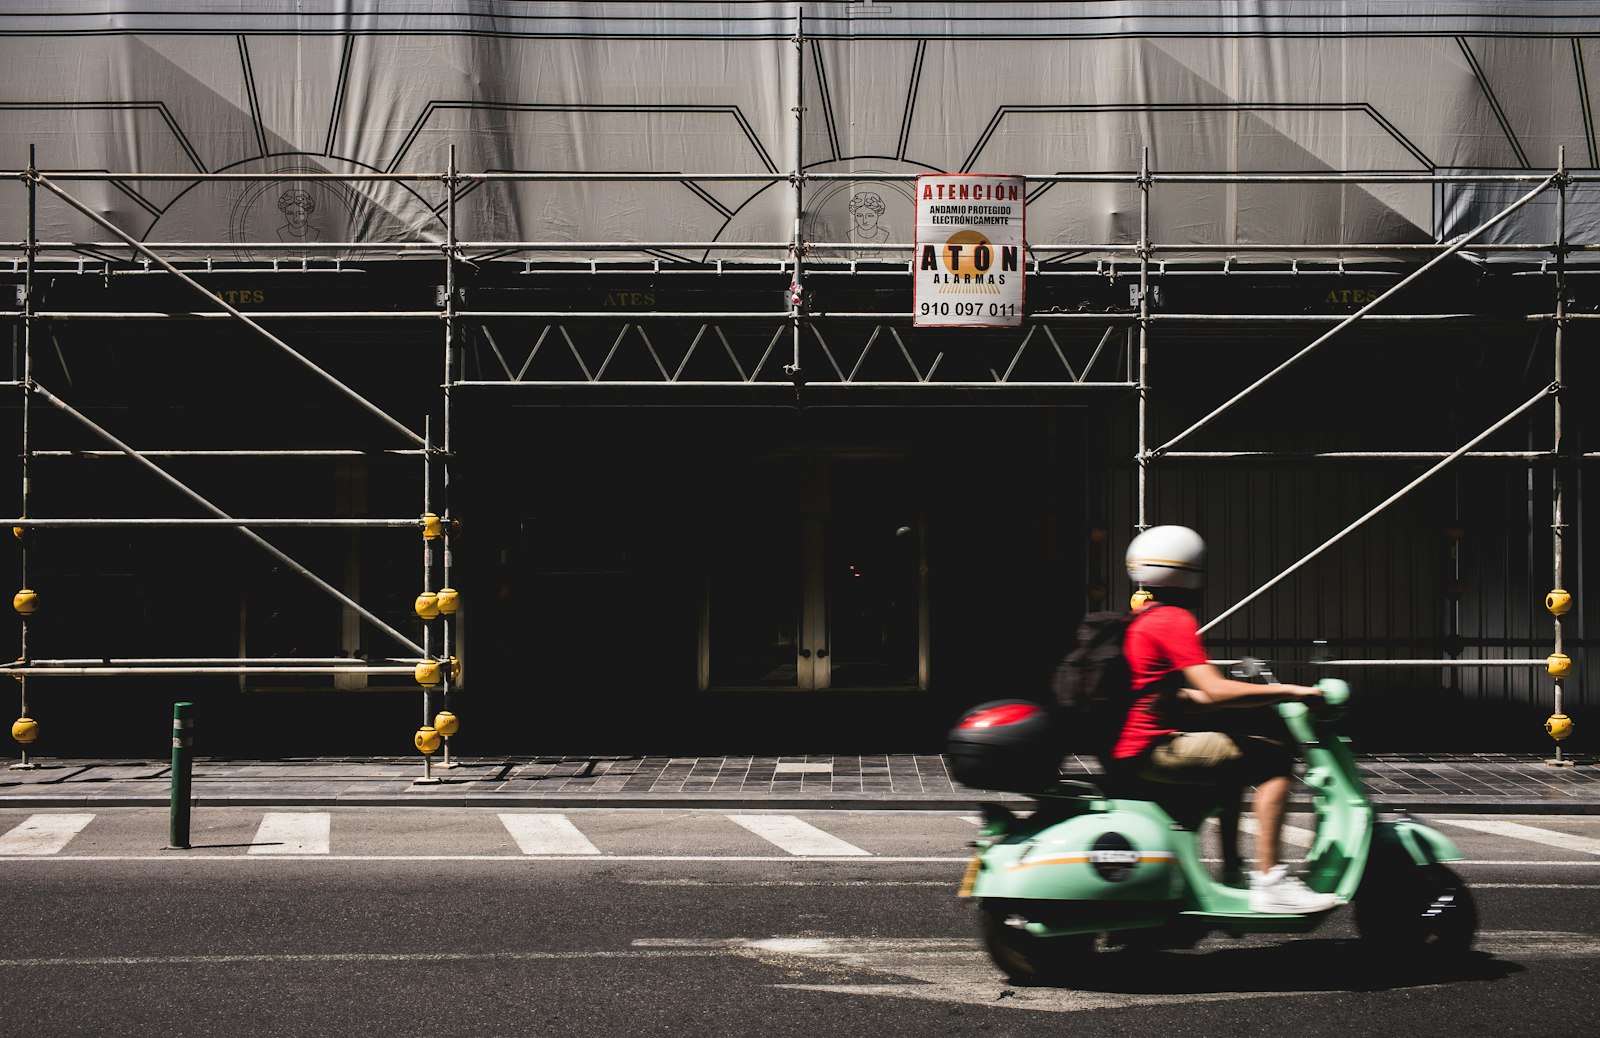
pixel 635 923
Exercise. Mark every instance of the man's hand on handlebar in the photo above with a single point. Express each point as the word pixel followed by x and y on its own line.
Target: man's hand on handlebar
pixel 1211 689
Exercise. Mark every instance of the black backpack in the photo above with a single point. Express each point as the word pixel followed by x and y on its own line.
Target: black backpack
pixel 1092 686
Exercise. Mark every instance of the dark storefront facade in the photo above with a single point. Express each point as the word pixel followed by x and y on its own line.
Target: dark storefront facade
pixel 705 484
pixel 771 567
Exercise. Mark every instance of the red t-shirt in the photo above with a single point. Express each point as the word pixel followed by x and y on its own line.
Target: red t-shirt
pixel 1163 640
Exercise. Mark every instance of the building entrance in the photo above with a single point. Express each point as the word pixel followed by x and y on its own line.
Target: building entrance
pixel 817 580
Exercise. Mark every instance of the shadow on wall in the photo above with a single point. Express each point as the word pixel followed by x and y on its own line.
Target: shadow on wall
pixel 1445 721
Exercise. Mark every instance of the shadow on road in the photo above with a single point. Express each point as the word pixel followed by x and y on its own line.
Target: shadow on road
pixel 1305 965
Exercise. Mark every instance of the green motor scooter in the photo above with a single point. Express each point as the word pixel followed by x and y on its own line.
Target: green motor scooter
pixel 1047 885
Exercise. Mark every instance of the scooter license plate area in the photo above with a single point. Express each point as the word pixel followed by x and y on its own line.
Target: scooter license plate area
pixel 969 879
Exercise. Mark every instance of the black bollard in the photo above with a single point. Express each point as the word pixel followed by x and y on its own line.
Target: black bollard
pixel 182 763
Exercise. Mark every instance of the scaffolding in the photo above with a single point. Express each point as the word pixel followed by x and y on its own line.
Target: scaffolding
pixel 797 352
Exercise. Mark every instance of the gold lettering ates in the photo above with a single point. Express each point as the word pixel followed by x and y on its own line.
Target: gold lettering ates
pixel 241 296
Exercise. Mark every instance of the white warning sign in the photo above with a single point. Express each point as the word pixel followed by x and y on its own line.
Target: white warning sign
pixel 970 245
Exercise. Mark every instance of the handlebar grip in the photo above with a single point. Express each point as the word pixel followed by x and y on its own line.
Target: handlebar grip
pixel 1335 692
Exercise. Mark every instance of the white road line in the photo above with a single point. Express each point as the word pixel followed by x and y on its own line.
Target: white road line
pixel 293 833
pixel 191 858
pixel 1536 886
pixel 943 884
pixel 376 957
pixel 945 970
pixel 796 836
pixel 1518 831
pixel 1518 861
pixel 547 834
pixel 43 834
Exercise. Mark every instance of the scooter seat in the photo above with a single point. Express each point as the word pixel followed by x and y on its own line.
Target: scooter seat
pixel 1074 788
pixel 1189 805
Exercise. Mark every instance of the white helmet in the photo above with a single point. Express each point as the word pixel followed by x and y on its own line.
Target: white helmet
pixel 1167 556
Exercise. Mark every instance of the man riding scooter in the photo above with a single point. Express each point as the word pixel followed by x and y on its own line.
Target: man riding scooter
pixel 1177 733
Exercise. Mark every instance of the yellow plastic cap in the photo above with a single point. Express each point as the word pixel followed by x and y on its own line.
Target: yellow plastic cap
pixel 25 601
pixel 1140 599
pixel 1558 727
pixel 427 605
pixel 426 739
pixel 446 723
pixel 449 600
pixel 427 673
pixel 1558 601
pixel 24 730
pixel 432 528
pixel 1559 664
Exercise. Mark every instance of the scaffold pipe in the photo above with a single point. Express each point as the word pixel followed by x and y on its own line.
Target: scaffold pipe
pixel 304 361
pixel 123 672
pixel 346 662
pixel 1455 246
pixel 193 495
pixel 72 523
pixel 1533 401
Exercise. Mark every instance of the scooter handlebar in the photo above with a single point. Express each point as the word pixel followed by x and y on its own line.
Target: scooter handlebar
pixel 1335 692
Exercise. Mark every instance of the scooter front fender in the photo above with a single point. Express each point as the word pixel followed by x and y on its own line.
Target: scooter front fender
pixel 1416 840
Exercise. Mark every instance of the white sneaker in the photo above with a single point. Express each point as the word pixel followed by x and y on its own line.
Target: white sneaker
pixel 1279 893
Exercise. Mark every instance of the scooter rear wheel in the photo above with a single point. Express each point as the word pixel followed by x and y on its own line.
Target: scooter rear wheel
pixel 1427 909
pixel 1026 958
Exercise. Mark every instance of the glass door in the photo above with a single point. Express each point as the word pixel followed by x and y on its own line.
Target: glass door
pixel 817 579
pixel 750 633
pixel 872 587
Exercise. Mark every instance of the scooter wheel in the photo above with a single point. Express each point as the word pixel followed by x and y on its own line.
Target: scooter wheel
pixel 1424 909
pixel 1027 959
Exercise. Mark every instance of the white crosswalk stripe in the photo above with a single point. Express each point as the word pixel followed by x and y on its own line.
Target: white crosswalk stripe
pixel 289 832
pixel 796 836
pixel 1518 831
pixel 642 836
pixel 43 834
pixel 547 834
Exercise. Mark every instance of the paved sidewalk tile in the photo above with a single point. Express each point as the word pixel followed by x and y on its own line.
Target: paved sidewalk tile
pixel 1503 782
pixel 45 774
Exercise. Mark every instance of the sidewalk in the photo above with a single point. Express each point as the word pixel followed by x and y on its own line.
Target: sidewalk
pixel 1462 783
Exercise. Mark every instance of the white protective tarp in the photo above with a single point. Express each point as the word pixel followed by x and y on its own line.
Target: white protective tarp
pixel 886 90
